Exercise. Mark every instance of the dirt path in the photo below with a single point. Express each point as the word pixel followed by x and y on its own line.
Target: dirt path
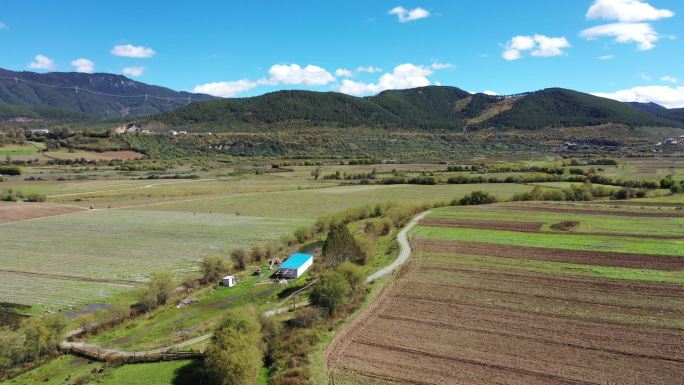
pixel 405 252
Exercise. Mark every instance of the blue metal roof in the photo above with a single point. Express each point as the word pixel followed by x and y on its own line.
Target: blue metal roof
pixel 296 261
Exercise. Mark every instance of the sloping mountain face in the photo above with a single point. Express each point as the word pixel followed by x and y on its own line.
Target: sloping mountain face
pixel 675 114
pixel 10 112
pixel 100 94
pixel 432 107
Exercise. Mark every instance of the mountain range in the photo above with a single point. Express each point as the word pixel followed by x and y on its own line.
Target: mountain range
pixel 79 96
pixel 431 107
pixel 99 95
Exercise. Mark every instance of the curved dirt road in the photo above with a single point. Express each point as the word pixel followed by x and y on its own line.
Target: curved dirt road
pixel 405 252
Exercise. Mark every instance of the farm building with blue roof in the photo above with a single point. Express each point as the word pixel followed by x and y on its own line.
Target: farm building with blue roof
pixel 295 266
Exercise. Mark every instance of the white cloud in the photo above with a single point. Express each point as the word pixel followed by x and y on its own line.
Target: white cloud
pixel 83 65
pixel 670 97
pixel 42 62
pixel 646 77
pixel 310 75
pixel 341 72
pixel 129 50
pixel 628 11
pixel 402 76
pixel 642 34
pixel 225 89
pixel 405 15
pixel 670 79
pixel 369 69
pixel 606 57
pixel 133 71
pixel 490 93
pixel 3 25
pixel 441 66
pixel 539 45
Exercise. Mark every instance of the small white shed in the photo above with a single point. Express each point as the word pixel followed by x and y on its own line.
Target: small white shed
pixel 228 281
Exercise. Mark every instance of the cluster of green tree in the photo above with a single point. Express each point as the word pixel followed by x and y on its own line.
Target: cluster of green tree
pixel 351 176
pixel 420 179
pixel 525 178
pixel 156 292
pixel 104 318
pixel 583 192
pixel 338 292
pixel 487 168
pixel 234 355
pixel 36 337
pixel 11 195
pixel 10 170
pixel 475 198
pixel 13 135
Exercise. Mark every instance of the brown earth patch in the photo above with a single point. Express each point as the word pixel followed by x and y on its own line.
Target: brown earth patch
pixel 600 258
pixel 482 224
pixel 632 203
pixel 15 212
pixel 589 211
pixel 528 227
pixel 121 155
pixel 416 335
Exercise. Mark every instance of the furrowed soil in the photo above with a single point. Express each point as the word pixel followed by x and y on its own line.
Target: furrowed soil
pixel 15 212
pixel 449 323
pixel 600 258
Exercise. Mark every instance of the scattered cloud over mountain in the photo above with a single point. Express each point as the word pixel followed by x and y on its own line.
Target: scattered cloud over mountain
pixel 537 45
pixel 42 62
pixel 630 26
pixel 606 57
pixel 310 75
pixel 341 72
pixel 133 71
pixel 369 69
pixel 225 89
pixel 669 79
pixel 129 50
pixel 405 15
pixel 667 96
pixel 402 76
pixel 83 65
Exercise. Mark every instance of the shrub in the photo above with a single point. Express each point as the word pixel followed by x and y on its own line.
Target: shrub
pixel 233 356
pixel 477 198
pixel 239 258
pixel 213 268
pixel 331 291
pixel 340 245
pixel 10 170
pixel 565 225
pixel 34 197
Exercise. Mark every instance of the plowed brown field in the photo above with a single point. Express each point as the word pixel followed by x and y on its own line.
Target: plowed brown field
pixel 14 212
pixel 444 323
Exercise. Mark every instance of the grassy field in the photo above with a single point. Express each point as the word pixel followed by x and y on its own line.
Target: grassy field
pixel 114 246
pixel 31 148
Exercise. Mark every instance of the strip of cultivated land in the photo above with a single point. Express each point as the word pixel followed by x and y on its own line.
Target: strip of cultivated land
pixel 490 298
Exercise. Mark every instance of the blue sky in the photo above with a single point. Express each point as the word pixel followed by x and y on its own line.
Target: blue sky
pixel 625 49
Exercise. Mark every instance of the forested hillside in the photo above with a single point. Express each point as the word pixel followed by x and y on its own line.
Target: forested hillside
pixel 433 107
pixel 100 94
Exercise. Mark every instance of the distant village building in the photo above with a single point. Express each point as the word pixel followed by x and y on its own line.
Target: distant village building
pixel 130 128
pixel 39 132
pixel 670 141
pixel 173 132
pixel 295 266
